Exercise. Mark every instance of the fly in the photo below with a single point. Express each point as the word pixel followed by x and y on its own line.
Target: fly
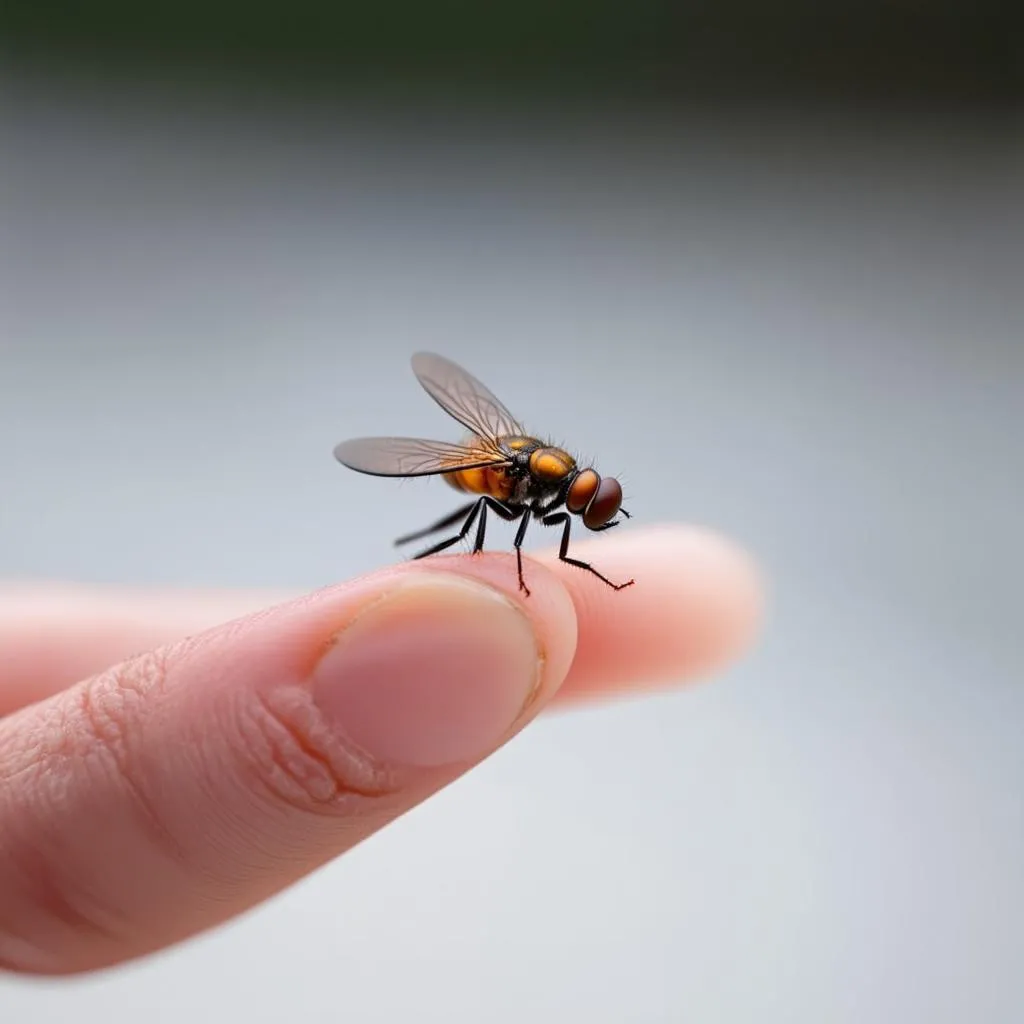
pixel 516 476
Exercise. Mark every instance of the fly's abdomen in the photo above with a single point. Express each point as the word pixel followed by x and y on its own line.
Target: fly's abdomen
pixel 494 481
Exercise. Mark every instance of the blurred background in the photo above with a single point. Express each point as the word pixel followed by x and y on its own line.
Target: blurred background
pixel 766 264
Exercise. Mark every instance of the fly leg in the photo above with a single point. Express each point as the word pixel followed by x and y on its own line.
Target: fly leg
pixel 518 544
pixel 510 515
pixel 441 524
pixel 466 527
pixel 477 509
pixel 562 518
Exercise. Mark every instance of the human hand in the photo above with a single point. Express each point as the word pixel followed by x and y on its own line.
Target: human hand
pixel 145 802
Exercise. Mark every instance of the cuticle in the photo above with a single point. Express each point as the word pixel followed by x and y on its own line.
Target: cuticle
pixel 336 636
pixel 537 687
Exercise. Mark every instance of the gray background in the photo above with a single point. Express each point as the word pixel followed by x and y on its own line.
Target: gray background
pixel 802 328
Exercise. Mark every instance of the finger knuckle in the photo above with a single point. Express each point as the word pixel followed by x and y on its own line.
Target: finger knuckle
pixel 108 706
pixel 294 756
pixel 107 732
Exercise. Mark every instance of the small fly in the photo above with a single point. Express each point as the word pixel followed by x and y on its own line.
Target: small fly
pixel 510 473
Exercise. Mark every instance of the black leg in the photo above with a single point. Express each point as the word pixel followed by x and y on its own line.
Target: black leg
pixel 481 530
pixel 510 515
pixel 518 542
pixel 441 524
pixel 566 523
pixel 479 508
pixel 466 527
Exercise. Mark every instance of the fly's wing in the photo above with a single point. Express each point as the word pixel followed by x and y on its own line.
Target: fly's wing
pixel 413 456
pixel 463 397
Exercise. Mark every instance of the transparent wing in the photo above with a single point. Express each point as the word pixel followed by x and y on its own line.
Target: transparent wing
pixel 412 456
pixel 463 397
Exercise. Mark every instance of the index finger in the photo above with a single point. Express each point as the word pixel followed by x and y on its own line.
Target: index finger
pixel 695 606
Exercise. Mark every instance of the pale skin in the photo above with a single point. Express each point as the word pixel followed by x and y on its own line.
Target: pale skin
pixel 168 760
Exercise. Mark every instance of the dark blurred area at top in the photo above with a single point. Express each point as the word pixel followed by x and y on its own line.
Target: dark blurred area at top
pixel 871 51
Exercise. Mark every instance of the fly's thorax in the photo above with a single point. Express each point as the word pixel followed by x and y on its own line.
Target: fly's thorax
pixel 515 444
pixel 549 465
pixel 527 491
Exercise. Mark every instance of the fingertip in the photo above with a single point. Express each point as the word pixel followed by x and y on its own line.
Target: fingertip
pixel 696 606
pixel 721 592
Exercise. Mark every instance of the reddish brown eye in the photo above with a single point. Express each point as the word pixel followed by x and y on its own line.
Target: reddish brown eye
pixel 605 504
pixel 582 489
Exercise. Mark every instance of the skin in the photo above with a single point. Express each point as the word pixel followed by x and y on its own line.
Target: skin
pixel 168 760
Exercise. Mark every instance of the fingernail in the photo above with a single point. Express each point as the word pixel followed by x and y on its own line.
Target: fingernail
pixel 435 673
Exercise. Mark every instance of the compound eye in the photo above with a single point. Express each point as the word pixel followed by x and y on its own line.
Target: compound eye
pixel 605 504
pixel 582 489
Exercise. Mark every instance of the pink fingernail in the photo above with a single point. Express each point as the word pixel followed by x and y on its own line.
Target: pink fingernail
pixel 434 674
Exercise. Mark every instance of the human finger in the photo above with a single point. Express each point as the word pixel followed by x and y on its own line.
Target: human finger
pixel 695 606
pixel 183 786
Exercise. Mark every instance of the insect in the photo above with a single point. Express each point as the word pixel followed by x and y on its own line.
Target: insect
pixel 510 473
